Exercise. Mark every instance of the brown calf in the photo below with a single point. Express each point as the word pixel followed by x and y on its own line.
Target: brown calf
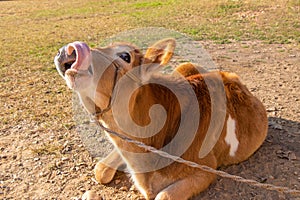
pixel 209 118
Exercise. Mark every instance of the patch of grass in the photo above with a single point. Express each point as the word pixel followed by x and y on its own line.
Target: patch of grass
pixel 245 46
pixel 225 57
pixel 31 34
pixel 239 20
pixel 48 149
pixel 227 8
pixel 147 4
pixel 192 31
pixel 281 50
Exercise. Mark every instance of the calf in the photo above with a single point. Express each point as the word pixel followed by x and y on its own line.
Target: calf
pixel 209 118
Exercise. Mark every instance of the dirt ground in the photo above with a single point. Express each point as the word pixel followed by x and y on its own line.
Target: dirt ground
pixel 62 169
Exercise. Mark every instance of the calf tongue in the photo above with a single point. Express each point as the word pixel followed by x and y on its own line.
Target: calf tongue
pixel 83 56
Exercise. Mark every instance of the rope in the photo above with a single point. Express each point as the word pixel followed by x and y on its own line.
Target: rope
pixel 223 174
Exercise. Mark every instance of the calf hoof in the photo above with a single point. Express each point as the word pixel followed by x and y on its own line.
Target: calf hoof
pixel 103 173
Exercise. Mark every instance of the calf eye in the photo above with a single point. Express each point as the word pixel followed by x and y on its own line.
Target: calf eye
pixel 125 56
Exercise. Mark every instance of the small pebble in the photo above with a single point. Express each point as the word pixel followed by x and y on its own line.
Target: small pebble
pixel 43 174
pixel 58 164
pixel 123 188
pixel 36 159
pixel 133 188
pixel 65 159
pixel 90 195
pixel 292 156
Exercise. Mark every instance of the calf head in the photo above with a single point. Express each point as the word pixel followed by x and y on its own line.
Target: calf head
pixel 92 73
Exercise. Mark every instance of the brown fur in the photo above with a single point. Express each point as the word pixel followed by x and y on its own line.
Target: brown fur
pixel 189 69
pixel 176 181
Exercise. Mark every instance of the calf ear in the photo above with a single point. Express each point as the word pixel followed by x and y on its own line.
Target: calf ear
pixel 157 55
pixel 161 52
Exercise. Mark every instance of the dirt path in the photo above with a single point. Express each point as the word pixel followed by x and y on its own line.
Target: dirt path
pixel 40 162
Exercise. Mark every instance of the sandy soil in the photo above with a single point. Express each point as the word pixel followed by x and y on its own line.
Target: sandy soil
pixel 63 168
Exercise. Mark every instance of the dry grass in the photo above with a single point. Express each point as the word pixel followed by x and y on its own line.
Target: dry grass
pixel 32 32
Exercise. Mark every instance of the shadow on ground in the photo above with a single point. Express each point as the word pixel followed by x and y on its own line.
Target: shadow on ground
pixel 276 162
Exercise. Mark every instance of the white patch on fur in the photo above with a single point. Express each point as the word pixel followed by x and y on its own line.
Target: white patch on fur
pixel 231 138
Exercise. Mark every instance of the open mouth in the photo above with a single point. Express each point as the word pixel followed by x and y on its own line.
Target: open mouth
pixel 68 65
pixel 73 61
pixel 74 56
pixel 64 62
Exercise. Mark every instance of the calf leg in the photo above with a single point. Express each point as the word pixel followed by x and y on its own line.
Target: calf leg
pixel 187 187
pixel 107 167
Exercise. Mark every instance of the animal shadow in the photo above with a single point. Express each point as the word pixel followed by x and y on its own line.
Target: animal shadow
pixel 276 162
